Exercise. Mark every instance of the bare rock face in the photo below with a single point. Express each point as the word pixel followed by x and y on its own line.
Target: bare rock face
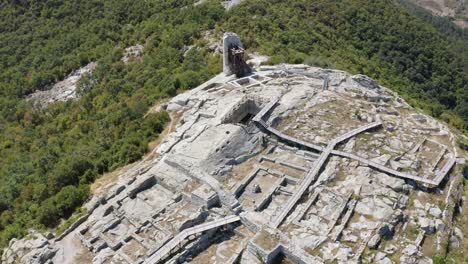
pixel 61 91
pixel 132 52
pixel 427 225
pixel 365 81
pixel 65 89
pixel 292 161
pixel 36 250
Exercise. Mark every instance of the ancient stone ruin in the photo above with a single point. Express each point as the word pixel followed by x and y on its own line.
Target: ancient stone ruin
pixel 233 55
pixel 291 163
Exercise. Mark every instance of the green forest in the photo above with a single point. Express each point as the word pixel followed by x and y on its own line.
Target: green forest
pixel 50 156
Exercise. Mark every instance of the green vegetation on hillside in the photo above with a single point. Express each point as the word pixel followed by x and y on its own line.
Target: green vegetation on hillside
pixel 50 156
pixel 377 38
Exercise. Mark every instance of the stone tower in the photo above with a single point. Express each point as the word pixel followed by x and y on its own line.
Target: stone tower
pixel 233 55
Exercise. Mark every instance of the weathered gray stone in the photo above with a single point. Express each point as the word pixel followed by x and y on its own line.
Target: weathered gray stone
pixel 454 243
pixel 374 241
pixel 440 225
pixel 411 250
pixel 418 205
pixel 365 81
pixel 140 185
pixel 458 233
pixel 435 211
pixel 395 144
pixel 427 225
pixel 381 258
pixel 173 107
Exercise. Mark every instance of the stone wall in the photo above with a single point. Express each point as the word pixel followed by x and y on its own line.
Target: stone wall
pixel 247 105
pixel 229 39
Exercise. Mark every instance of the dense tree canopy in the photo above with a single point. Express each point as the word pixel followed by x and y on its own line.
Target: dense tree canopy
pixel 377 38
pixel 51 155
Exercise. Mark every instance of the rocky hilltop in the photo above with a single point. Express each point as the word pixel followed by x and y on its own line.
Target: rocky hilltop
pixel 291 163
